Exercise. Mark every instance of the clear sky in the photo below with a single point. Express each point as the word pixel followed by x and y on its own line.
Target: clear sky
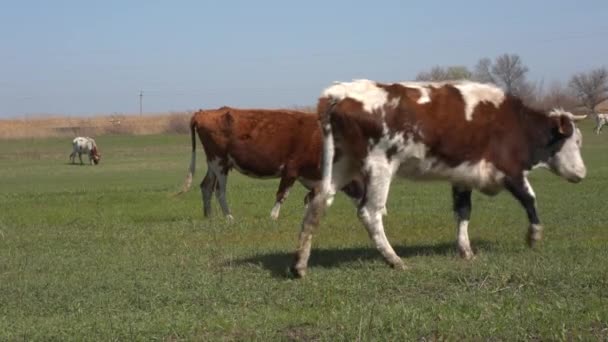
pixel 94 57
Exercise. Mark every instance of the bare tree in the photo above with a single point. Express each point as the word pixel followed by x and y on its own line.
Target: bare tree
pixel 558 96
pixel 591 88
pixel 530 92
pixel 483 71
pixel 439 73
pixel 510 72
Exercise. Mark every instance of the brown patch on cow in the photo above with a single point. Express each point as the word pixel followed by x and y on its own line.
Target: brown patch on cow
pixel 94 154
pixel 352 124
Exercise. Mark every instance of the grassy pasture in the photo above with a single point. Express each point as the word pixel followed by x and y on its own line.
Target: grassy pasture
pixel 105 253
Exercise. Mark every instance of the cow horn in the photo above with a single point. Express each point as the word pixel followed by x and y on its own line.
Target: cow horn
pixel 578 117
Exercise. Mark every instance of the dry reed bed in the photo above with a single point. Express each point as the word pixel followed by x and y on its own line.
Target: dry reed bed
pixel 65 126
pixel 57 126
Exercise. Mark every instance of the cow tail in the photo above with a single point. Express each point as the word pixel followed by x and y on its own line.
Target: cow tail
pixel 192 167
pixel 327 188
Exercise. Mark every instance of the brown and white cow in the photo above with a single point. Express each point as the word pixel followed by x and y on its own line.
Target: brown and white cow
pixel 472 135
pixel 259 143
pixel 85 145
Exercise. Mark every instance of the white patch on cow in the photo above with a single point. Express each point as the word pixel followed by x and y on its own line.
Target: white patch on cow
pixel 464 244
pixel 423 88
pixel 568 162
pixel 274 213
pixel 424 96
pixel 328 188
pixel 528 187
pixel 481 175
pixel 394 103
pixel 341 174
pixel 365 91
pixel 379 170
pixel 475 93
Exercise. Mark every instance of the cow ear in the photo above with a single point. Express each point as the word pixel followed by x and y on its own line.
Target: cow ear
pixel 565 126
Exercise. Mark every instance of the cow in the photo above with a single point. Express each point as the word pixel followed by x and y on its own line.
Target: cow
pixel 260 143
pixel 469 134
pixel 87 146
pixel 601 119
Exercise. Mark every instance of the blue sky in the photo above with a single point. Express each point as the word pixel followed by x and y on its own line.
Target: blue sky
pixel 93 57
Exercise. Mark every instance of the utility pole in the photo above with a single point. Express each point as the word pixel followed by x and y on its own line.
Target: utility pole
pixel 141 97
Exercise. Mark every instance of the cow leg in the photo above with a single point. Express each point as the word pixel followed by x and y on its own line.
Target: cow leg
pixel 312 217
pixel 461 198
pixel 80 157
pixel 220 173
pixel 521 189
pixel 373 206
pixel 73 157
pixel 222 180
pixel 355 191
pixel 207 186
pixel 284 186
pixel 309 196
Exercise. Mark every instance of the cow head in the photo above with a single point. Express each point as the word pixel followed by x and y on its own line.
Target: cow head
pixel 95 155
pixel 566 140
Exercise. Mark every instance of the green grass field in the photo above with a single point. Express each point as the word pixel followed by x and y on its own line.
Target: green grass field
pixel 106 253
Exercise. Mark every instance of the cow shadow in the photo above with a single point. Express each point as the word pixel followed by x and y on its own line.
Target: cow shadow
pixel 278 263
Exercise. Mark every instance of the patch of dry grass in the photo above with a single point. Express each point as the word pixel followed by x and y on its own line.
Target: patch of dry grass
pixel 58 126
pixel 65 126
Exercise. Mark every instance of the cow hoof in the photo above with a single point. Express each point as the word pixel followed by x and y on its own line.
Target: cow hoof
pixel 533 239
pixel 399 265
pixel 274 213
pixel 229 217
pixel 297 273
pixel 535 234
pixel 467 254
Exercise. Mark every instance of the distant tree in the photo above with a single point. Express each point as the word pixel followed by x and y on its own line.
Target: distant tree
pixel 558 96
pixel 530 92
pixel 483 71
pixel 507 71
pixel 591 88
pixel 449 73
pixel 510 71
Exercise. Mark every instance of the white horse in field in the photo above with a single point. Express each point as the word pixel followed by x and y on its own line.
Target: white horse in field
pixel 85 145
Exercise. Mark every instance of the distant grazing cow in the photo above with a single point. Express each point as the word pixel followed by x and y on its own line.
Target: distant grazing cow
pixel 87 146
pixel 600 121
pixel 472 135
pixel 258 143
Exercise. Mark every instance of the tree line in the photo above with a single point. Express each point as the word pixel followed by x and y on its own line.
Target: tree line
pixel 583 92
